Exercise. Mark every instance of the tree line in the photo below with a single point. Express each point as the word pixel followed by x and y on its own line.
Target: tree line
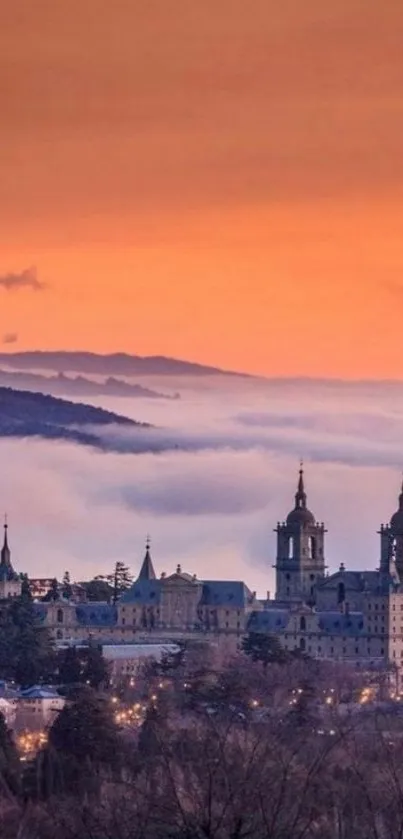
pixel 233 749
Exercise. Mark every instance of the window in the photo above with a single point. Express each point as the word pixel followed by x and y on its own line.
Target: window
pixel 288 576
pixel 291 548
pixel 356 650
pixel 59 633
pixel 59 616
pixel 344 650
pixel 302 643
pixel 302 624
pixel 288 591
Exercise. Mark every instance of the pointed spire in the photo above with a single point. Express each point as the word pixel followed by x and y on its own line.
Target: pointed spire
pixel 300 496
pixel 147 569
pixel 5 551
pixel 5 554
pixel 401 497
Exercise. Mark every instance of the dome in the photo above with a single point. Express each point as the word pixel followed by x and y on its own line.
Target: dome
pixel 300 515
pixel 396 522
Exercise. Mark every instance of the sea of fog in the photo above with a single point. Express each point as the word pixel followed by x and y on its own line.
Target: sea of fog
pixel 225 474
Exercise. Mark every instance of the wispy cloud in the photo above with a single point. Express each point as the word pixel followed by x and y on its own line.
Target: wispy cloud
pixel 10 338
pixel 15 280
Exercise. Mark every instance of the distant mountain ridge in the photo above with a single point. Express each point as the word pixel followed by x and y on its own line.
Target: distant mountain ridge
pixel 62 385
pixel 27 414
pixel 112 364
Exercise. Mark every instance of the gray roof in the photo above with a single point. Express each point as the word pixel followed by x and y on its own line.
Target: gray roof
pixel 268 620
pixel 96 614
pixel 223 593
pixel 143 592
pixel 371 581
pixel 330 622
pixel 341 623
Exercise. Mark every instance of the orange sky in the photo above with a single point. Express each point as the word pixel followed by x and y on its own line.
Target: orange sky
pixel 217 180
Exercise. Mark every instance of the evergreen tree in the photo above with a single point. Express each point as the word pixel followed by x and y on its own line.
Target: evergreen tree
pixel 25 587
pixel 9 761
pixel 120 580
pixel 67 590
pixel 99 590
pixel 70 668
pixel 26 653
pixel 53 593
pixel 264 648
pixel 83 739
pixel 95 670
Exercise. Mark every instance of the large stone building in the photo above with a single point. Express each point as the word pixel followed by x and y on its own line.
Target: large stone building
pixel 354 616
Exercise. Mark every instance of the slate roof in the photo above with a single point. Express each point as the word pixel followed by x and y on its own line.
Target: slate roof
pixel 96 614
pixel 40 692
pixel 223 593
pixel 371 581
pixel 330 622
pixel 143 591
pixel 340 623
pixel 268 620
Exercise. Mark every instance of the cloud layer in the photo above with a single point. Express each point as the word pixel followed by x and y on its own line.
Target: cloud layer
pixel 212 507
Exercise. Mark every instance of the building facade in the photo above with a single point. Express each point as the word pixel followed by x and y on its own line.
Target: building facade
pixel 352 616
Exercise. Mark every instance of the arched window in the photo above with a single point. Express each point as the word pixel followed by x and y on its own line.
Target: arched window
pixel 59 616
pixel 59 633
pixel 341 593
pixel 302 643
pixel 302 624
pixel 291 548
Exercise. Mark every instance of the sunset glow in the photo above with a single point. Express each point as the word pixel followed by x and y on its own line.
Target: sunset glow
pixel 209 184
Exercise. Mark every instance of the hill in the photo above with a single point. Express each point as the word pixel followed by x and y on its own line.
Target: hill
pixel 26 414
pixel 114 364
pixel 62 385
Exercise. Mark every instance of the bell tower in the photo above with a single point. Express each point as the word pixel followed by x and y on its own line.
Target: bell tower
pixel 392 543
pixel 300 561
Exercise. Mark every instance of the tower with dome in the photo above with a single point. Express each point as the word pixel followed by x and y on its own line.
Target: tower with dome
pixel 300 560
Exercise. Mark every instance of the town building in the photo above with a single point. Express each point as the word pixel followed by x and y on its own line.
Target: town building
pixel 38 707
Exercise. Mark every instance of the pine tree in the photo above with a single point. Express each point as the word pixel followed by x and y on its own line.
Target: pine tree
pixel 99 590
pixel 53 593
pixel 96 670
pixel 67 590
pixel 9 762
pixel 86 729
pixel 120 580
pixel 70 668
pixel 264 648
